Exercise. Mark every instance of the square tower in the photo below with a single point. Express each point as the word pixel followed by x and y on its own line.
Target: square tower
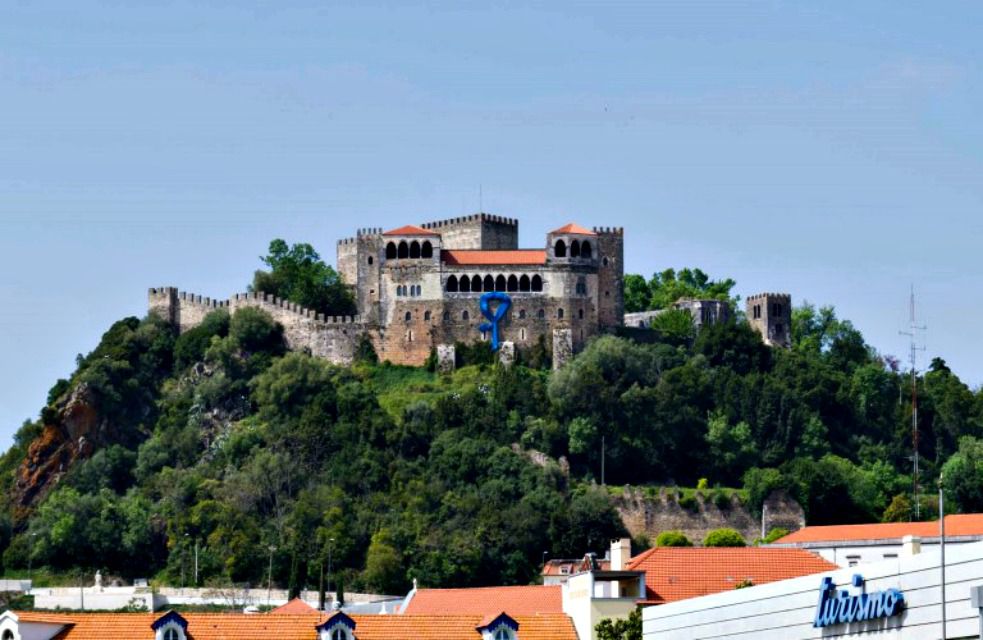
pixel 770 314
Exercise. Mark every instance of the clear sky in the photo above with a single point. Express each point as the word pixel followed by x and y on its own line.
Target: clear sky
pixel 830 150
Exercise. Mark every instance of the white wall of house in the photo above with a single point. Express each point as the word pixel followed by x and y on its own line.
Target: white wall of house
pixel 849 553
pixel 785 610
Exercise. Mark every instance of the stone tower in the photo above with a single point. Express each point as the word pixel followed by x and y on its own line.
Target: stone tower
pixel 771 315
pixel 610 276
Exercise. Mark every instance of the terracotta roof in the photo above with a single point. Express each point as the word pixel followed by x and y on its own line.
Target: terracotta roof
pixel 553 567
pixel 294 606
pixel 484 601
pixel 259 626
pixel 967 524
pixel 574 228
pixel 410 230
pixel 493 257
pixel 677 573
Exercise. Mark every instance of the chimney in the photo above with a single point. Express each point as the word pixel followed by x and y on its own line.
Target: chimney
pixel 620 553
pixel 911 546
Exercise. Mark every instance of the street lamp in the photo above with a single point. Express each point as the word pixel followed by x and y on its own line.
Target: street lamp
pixel 269 580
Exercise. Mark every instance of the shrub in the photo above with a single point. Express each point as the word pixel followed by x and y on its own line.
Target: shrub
pixel 775 534
pixel 724 538
pixel 690 503
pixel 672 539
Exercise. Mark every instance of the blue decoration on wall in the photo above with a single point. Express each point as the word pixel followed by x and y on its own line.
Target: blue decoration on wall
pixel 840 607
pixel 504 302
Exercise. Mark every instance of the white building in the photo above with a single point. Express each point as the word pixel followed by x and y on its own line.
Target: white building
pixel 895 599
pixel 853 544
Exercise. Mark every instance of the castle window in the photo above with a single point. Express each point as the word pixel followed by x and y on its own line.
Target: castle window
pixel 403 251
pixel 522 314
pixel 605 261
pixel 560 249
pixel 452 284
pixel 580 314
pixel 447 316
pixel 476 283
pixel 419 290
pixel 399 290
pixel 500 283
pixel 427 250
pixel 537 283
pixel 408 316
pixel 524 283
pixel 559 313
pixel 541 314
pixel 574 249
pixel 465 315
pixel 391 251
pixel 489 284
pixel 779 330
pixel 607 294
pixel 415 249
pixel 513 284
pixel 776 309
pixel 426 315
pixel 756 312
pixel 371 260
pixel 522 334
pixel 581 286
pixel 585 250
pixel 465 284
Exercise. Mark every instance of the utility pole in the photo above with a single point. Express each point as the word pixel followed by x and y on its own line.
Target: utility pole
pixel 30 557
pixel 942 551
pixel 912 333
pixel 330 543
pixel 196 562
pixel 269 579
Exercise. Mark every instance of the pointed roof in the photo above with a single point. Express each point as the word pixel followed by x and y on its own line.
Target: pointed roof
pixel 294 606
pixel 517 601
pixel 573 227
pixel 466 257
pixel 410 230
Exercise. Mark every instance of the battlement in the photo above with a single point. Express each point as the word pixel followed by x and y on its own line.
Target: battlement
pixel 475 217
pixel 770 296
pixel 617 231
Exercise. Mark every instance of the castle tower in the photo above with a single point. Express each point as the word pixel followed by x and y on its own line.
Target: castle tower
pixel 610 276
pixel 163 302
pixel 480 231
pixel 770 314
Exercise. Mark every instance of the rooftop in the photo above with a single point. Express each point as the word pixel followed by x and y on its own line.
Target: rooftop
pixel 484 601
pixel 410 230
pixel 967 524
pixel 464 257
pixel 574 228
pixel 295 606
pixel 677 573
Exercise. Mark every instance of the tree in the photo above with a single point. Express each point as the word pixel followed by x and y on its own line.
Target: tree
pixel 732 447
pixel 963 474
pixel 383 565
pixel 724 538
pixel 624 629
pixel 298 274
pixel 668 286
pixel 672 539
pixel 775 534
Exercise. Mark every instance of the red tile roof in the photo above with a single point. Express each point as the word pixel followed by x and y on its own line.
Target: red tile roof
pixel 237 626
pixel 967 524
pixel 485 601
pixel 493 257
pixel 574 228
pixel 294 606
pixel 677 573
pixel 553 567
pixel 410 230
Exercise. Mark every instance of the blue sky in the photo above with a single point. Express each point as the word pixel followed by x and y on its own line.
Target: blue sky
pixel 831 150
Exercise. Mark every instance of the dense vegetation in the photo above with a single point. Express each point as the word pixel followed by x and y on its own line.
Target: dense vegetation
pixel 221 438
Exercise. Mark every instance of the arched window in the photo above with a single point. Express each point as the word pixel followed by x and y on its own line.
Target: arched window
pixel 403 251
pixel 452 284
pixel 391 251
pixel 489 284
pixel 522 333
pixel 371 260
pixel 476 283
pixel 559 313
pixel 503 633
pixel 399 290
pixel 426 315
pixel 585 250
pixel 524 283
pixel 419 290
pixel 522 314
pixel 581 287
pixel 8 635
pixel 465 284
pixel 574 249
pixel 605 261
pixel 447 316
pixel 560 249
pixel 541 314
pixel 580 314
pixel 408 316
pixel 414 249
pixel 339 633
pixel 500 283
pixel 465 315
pixel 170 633
pixel 537 283
pixel 427 250
pixel 513 284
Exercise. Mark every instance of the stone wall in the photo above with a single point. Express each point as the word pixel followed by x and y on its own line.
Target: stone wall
pixel 650 515
pixel 611 276
pixel 770 314
pixel 478 231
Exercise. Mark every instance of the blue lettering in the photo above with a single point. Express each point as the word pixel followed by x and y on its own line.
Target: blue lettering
pixel 840 607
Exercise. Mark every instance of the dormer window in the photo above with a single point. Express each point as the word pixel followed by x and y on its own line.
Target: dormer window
pixel 504 633
pixel 170 626
pixel 337 627
pixel 501 627
pixel 340 633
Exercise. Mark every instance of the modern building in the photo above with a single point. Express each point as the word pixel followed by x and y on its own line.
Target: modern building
pixel 850 545
pixel 894 599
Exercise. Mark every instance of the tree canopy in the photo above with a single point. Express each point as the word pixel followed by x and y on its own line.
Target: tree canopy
pixel 298 274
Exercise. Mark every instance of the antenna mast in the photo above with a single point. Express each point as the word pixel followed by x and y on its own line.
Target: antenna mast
pixel 912 333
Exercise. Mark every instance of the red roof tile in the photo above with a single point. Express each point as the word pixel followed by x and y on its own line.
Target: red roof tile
pixel 967 524
pixel 677 573
pixel 410 230
pixel 237 626
pixel 493 257
pixel 485 601
pixel 574 228
pixel 295 606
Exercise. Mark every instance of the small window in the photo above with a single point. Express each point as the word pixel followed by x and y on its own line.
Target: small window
pixel 852 561
pixel 403 250
pixel 890 556
pixel 503 633
pixel 465 315
pixel 541 314
pixel 560 249
pixel 605 261
pixel 414 250
pixel 585 250
pixel 408 316
pixel 426 315
pixel 391 251
pixel 522 314
pixel 447 316
pixel 779 329
pixel 580 313
pixel 8 635
pixel 537 283
pixel 339 633
pixel 522 334
pixel 559 313
pixel 170 634
pixel 427 250
pixel 371 260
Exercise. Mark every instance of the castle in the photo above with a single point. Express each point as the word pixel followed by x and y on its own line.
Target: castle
pixel 417 290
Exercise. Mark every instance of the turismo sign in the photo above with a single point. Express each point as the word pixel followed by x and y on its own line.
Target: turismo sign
pixel 842 607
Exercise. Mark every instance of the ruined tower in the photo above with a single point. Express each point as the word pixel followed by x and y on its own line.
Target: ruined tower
pixel 770 314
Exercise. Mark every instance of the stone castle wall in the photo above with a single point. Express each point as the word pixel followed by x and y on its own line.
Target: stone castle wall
pixel 478 231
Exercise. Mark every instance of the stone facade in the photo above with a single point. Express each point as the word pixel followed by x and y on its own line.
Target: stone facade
pixel 418 287
pixel 771 315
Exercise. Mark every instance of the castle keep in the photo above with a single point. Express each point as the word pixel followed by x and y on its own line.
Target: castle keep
pixel 417 288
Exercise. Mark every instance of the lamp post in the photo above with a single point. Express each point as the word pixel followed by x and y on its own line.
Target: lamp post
pixel 269 578
pixel 942 551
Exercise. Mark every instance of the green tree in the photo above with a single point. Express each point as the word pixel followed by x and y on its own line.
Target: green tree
pixel 775 534
pixel 383 565
pixel 963 474
pixel 298 274
pixel 732 447
pixel 672 539
pixel 629 628
pixel 724 538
